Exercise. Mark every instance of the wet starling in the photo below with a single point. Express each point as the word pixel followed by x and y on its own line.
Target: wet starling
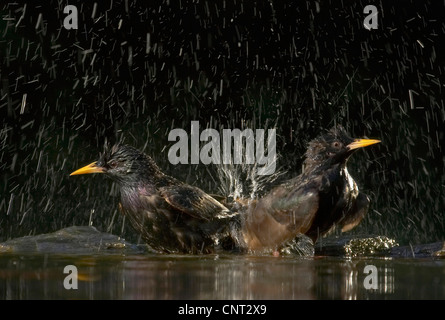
pixel 322 197
pixel 170 216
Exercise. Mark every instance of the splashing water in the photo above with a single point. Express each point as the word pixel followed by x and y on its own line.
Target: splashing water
pixel 241 181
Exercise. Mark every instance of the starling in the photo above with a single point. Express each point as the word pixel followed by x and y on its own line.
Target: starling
pixel 323 196
pixel 170 216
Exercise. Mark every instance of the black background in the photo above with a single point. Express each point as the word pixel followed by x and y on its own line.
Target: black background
pixel 297 66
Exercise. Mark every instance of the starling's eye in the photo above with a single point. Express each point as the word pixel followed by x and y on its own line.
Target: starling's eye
pixel 112 164
pixel 336 144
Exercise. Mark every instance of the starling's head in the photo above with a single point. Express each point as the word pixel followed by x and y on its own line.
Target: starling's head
pixel 122 163
pixel 333 147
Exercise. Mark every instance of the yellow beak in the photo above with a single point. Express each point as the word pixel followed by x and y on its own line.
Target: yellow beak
pixel 91 168
pixel 360 143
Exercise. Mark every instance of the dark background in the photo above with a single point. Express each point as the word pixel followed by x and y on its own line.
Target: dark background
pixel 297 66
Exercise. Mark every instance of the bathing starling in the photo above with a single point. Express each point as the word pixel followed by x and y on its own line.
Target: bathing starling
pixel 170 216
pixel 323 196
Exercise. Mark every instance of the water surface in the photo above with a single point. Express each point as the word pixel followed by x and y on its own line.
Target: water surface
pixel 153 276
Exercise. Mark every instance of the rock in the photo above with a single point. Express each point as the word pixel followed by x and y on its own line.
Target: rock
pixel 380 246
pixel 71 240
pixel 354 247
pixel 436 249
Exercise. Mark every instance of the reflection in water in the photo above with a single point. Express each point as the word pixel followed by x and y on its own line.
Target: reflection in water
pixel 353 281
pixel 350 280
pixel 387 285
pixel 218 277
pixel 222 278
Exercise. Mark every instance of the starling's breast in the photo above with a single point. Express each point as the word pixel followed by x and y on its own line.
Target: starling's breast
pixel 132 197
pixel 336 195
pixel 350 186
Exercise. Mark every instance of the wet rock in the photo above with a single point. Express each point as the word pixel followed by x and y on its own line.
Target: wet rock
pixel 355 247
pixel 436 249
pixel 377 246
pixel 71 240
pixel 89 240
